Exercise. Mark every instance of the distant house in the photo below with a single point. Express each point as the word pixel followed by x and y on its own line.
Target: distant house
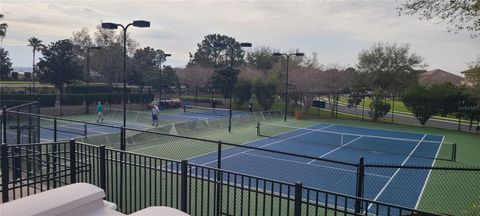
pixel 472 76
pixel 24 73
pixel 438 76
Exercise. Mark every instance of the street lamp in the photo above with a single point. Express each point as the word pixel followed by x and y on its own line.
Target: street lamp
pixel 286 78
pixel 136 23
pixel 88 75
pixel 232 49
pixel 158 61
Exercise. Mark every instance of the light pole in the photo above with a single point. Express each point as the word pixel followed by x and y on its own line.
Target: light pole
pixel 88 75
pixel 286 78
pixel 158 61
pixel 230 84
pixel 136 23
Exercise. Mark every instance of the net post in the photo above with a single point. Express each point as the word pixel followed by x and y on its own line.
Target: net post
pixel 5 172
pixel 55 129
pixel 183 187
pixel 258 128
pixel 73 162
pixel 360 185
pixel 298 199
pixel 102 168
pixel 4 124
pixel 85 130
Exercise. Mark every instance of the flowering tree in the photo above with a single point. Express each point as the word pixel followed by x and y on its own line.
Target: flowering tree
pixel 195 76
pixel 333 81
pixel 304 81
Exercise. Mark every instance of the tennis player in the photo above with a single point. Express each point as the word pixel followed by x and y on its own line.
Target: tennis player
pixel 99 111
pixel 155 113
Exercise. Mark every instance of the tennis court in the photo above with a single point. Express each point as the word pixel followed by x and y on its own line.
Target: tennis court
pixel 72 130
pixel 342 143
pixel 186 114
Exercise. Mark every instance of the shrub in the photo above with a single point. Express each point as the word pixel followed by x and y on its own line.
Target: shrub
pixel 82 89
pixel 378 108
pixel 45 100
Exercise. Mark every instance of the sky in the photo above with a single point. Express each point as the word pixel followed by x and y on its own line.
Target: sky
pixel 336 30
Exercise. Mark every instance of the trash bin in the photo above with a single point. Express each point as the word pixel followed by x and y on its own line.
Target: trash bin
pixel 299 115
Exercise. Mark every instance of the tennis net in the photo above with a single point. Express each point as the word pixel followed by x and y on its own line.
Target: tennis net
pixel 206 110
pixel 361 142
pixel 76 128
pixel 145 117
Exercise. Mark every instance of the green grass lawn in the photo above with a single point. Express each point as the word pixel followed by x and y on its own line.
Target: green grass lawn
pixel 400 108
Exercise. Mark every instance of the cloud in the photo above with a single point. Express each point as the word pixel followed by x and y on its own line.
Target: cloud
pixel 336 30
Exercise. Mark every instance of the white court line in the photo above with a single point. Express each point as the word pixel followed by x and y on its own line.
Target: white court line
pixel 336 149
pixel 396 172
pixel 272 143
pixel 428 176
pixel 315 165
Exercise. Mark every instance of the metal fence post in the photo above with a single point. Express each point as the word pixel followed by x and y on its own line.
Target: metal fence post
pixel 298 199
pixel 393 108
pixel 55 129
pixel 219 178
pixel 102 168
pixel 18 129
pixel 29 125
pixel 73 162
pixel 219 155
pixel 336 106
pixel 454 155
pixel 360 184
pixel 122 139
pixel 54 162
pixel 5 172
pixel 363 107
pixel 183 188
pixel 4 122
pixel 17 160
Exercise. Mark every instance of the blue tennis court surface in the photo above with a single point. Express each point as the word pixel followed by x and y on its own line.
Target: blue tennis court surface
pixel 342 143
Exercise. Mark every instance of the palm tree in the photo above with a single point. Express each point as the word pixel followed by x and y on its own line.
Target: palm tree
pixel 3 30
pixel 37 45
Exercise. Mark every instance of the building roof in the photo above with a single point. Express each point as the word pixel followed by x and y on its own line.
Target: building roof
pixel 438 76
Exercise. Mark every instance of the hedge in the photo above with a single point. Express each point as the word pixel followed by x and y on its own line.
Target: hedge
pixel 45 100
pixel 93 89
pixel 202 100
pixel 118 98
